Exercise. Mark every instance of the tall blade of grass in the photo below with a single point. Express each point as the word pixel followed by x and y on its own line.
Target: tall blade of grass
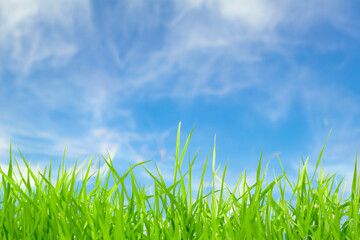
pixel 201 185
pixel 178 161
pixel 287 179
pixel 49 176
pixel 10 170
pixel 354 207
pixel 30 171
pixel 26 182
pixel 185 146
pixel 222 188
pixel 177 154
pixel 321 153
pixel 355 176
pixel 189 187
pixel 213 197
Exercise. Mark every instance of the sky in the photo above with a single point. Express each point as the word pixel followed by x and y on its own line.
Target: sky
pixel 119 76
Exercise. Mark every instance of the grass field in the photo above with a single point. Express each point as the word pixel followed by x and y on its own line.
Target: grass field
pixel 65 210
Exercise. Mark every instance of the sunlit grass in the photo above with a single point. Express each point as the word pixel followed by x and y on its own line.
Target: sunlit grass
pixel 31 207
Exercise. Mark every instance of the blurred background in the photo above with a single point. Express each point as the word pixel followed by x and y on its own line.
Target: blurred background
pixel 121 75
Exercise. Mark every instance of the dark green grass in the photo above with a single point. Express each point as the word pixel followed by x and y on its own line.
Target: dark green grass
pixel 112 211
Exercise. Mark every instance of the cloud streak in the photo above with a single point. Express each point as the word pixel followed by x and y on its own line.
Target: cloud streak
pixel 35 34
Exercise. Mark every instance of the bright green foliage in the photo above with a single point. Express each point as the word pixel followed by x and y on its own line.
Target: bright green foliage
pixel 61 211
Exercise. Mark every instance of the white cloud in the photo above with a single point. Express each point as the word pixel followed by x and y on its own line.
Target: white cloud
pixel 200 35
pixel 257 15
pixel 40 32
pixel 204 37
pixel 263 17
pixel 128 146
pixel 4 145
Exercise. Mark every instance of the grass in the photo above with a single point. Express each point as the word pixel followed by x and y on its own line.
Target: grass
pixel 111 211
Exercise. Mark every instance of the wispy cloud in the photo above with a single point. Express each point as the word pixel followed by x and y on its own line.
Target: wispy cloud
pixel 35 34
pixel 205 34
pixel 4 146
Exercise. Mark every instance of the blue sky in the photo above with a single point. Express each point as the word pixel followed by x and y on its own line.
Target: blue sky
pixel 121 75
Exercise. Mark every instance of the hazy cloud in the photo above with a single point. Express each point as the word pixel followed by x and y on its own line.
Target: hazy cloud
pixel 41 33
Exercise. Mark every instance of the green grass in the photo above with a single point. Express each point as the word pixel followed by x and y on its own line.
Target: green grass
pixel 111 211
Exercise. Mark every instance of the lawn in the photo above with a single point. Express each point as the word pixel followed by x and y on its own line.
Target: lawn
pixel 67 209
